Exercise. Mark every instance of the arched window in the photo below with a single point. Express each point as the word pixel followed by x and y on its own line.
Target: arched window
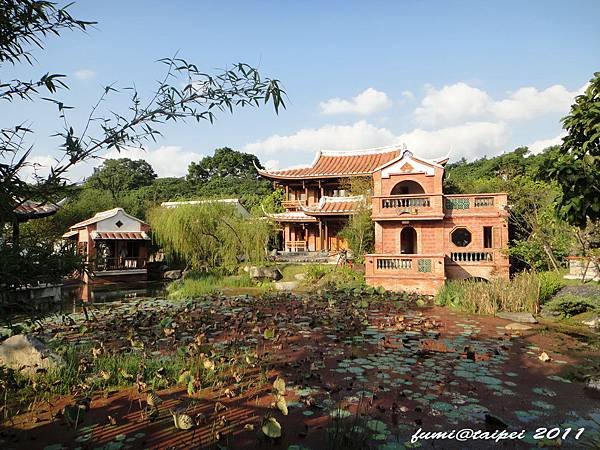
pixel 407 187
pixel 408 241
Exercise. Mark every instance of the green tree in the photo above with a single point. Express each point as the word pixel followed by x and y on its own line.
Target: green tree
pixel 577 167
pixel 225 163
pixel 210 236
pixel 25 25
pixel 123 174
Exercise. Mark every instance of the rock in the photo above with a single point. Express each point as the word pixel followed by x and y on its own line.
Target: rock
pixel 517 327
pixel 262 273
pixel 300 276
pixel 593 384
pixel 26 353
pixel 544 357
pixel 172 275
pixel 274 252
pixel 521 317
pixel 495 422
pixel 593 322
pixel 286 285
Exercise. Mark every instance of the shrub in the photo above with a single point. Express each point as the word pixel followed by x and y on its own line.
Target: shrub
pixel 521 294
pixel 571 305
pixel 550 284
pixel 316 272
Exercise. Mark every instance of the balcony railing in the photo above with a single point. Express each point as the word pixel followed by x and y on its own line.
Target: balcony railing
pixel 293 204
pixel 403 264
pixel 295 246
pixel 126 263
pixel 467 257
pixel 478 203
pixel 421 206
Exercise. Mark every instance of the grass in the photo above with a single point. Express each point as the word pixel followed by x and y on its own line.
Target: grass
pixel 572 305
pixel 523 293
pixel 198 284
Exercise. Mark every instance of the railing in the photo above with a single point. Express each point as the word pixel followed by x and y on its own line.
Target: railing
pixel 126 263
pixel 408 206
pixel 471 256
pixel 293 204
pixel 454 204
pixel 295 246
pixel 403 264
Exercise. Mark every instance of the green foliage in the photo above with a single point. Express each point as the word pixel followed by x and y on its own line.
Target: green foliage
pixel 123 174
pixel 225 163
pixel 550 283
pixel 315 272
pixel 272 202
pixel 522 293
pixel 577 167
pixel 210 235
pixel 197 284
pixel 571 305
pixel 359 232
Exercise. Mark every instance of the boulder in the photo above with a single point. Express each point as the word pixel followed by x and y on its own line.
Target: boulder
pixel 286 285
pixel 300 276
pixel 26 353
pixel 265 273
pixel 517 327
pixel 593 384
pixel 521 317
pixel 593 322
pixel 172 275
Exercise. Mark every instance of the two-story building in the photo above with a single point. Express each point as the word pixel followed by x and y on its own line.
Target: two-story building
pixel 422 236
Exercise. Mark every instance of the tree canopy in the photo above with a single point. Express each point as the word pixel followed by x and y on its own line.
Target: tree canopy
pixel 123 174
pixel 577 167
pixel 225 163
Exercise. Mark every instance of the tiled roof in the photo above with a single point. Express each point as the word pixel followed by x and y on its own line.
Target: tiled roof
pixel 30 209
pixel 121 235
pixel 101 216
pixel 292 216
pixel 329 164
pixel 336 205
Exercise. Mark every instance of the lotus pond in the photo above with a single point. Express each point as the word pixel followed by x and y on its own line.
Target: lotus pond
pixel 339 369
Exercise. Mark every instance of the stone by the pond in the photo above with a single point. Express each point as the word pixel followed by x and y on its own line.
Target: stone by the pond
pixel 495 422
pixel 521 317
pixel 593 322
pixel 268 273
pixel 593 383
pixel 172 275
pixel 300 276
pixel 517 327
pixel 26 353
pixel 286 285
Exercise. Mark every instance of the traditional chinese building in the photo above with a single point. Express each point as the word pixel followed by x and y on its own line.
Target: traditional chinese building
pixel 115 245
pixel 422 236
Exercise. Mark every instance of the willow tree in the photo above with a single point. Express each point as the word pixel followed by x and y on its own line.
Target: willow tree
pixel 210 235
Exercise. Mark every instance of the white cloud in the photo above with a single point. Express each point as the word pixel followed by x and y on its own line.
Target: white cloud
pixel 167 161
pixel 84 74
pixel 528 102
pixel 271 164
pixel 367 102
pixel 542 144
pixel 408 95
pixel 470 139
pixel 456 103
pixel 358 135
pixel 451 104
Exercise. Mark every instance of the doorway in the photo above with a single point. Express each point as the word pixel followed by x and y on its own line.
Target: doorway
pixel 408 241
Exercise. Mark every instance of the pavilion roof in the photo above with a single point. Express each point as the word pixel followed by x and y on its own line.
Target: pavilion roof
pixel 336 164
pixel 336 206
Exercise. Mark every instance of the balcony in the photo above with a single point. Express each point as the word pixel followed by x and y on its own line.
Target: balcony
pixel 406 207
pixel 125 265
pixel 480 204
pixel 404 265
pixel 292 205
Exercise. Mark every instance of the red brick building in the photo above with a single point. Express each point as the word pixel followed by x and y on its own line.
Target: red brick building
pixel 422 236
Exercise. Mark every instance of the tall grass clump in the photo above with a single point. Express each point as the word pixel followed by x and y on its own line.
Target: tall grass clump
pixel 519 294
pixel 198 284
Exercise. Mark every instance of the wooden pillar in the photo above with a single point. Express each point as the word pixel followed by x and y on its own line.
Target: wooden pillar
pixel 287 192
pixel 326 237
pixel 320 236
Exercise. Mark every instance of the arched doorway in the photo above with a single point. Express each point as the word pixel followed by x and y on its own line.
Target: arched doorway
pixel 408 241
pixel 407 187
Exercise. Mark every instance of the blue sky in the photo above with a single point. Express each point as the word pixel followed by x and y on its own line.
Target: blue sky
pixel 466 77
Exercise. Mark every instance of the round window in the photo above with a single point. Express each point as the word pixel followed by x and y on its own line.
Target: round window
pixel 461 237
